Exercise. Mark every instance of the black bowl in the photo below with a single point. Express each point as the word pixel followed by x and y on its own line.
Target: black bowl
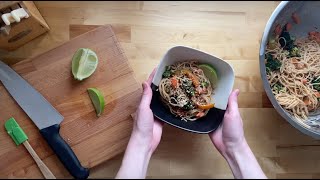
pixel 204 125
pixel 223 88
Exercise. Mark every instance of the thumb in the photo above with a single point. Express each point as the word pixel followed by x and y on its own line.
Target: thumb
pixel 233 101
pixel 146 96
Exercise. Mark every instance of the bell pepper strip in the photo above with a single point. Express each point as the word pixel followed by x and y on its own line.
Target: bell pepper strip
pixel 190 75
pixel 205 107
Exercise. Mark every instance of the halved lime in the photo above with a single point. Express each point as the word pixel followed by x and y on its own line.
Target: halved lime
pixel 97 99
pixel 84 63
pixel 210 73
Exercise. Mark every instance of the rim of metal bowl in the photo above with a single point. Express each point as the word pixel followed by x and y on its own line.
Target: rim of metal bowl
pixel 294 122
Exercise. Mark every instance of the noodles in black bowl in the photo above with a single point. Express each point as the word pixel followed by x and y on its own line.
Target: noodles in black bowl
pixel 186 90
pixel 183 96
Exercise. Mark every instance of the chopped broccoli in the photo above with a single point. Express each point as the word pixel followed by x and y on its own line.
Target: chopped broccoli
pixel 190 91
pixel 204 84
pixel 269 57
pixel 186 83
pixel 188 106
pixel 277 87
pixel 294 52
pixel 168 72
pixel 268 70
pixel 272 64
pixel 316 86
pixel 188 87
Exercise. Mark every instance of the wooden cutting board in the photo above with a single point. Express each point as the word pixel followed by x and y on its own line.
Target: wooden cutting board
pixel 93 139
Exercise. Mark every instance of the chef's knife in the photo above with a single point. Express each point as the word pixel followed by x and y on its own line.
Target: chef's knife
pixel 45 117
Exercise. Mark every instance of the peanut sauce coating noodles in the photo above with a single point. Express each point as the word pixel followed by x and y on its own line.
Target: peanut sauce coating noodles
pixel 186 91
pixel 293 71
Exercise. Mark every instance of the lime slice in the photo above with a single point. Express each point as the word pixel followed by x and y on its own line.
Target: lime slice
pixel 84 63
pixel 97 99
pixel 210 73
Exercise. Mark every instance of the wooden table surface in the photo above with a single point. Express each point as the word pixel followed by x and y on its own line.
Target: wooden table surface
pixel 230 30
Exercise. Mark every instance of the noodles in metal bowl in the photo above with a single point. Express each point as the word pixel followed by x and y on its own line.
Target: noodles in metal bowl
pixel 184 97
pixel 290 64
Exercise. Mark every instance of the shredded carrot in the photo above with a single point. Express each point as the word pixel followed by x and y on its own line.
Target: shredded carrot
pixel 304 81
pixel 317 94
pixel 295 18
pixel 174 82
pixel 313 33
pixel 288 26
pixel 299 66
pixel 277 30
pixel 294 60
pixel 306 100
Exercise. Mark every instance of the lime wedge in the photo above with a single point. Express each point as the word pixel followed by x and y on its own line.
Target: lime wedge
pixel 97 99
pixel 210 73
pixel 84 63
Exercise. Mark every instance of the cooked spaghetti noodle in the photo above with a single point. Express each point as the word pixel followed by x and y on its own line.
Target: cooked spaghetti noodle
pixel 293 71
pixel 186 91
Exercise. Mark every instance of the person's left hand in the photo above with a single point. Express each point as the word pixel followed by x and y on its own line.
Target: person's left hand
pixel 146 126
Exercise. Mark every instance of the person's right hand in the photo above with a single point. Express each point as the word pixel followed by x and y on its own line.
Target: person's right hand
pixel 230 134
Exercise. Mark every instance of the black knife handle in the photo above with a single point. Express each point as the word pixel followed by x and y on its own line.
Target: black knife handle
pixel 64 152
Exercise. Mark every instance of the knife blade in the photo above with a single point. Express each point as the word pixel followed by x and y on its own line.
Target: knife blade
pixel 44 116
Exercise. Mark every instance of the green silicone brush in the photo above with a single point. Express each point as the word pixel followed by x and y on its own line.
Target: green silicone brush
pixel 15 131
pixel 19 137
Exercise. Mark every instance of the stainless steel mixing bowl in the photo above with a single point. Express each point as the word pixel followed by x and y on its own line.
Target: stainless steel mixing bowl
pixel 309 13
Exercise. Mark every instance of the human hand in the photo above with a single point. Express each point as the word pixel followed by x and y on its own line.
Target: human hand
pixel 144 140
pixel 146 126
pixel 230 134
pixel 230 141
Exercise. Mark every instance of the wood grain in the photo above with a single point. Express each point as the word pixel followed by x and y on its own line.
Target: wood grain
pixel 43 168
pixel 94 140
pixel 146 30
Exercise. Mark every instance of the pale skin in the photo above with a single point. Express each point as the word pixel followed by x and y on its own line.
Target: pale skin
pixel 228 139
